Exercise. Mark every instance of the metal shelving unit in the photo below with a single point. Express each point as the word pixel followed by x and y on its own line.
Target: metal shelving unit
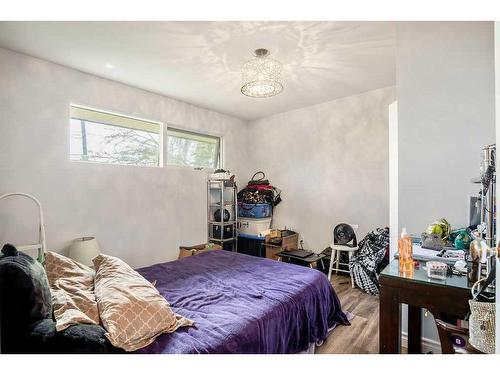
pixel 222 195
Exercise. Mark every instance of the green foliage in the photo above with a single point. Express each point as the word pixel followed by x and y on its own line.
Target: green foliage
pixel 128 146
pixel 182 151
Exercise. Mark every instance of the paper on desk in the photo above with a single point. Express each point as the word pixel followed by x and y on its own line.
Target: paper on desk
pixel 451 256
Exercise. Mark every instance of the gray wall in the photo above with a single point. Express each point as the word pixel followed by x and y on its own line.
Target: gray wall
pixel 138 213
pixel 445 89
pixel 446 113
pixel 331 160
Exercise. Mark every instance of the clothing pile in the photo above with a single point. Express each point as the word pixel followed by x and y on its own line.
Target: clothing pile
pixel 256 203
pixel 367 263
pixel 260 191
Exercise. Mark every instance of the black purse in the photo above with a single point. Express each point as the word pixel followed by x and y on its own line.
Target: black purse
pixel 260 181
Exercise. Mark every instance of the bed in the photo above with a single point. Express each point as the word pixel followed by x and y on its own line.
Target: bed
pixel 244 304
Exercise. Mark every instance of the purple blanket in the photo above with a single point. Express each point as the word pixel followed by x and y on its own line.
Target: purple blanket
pixel 244 304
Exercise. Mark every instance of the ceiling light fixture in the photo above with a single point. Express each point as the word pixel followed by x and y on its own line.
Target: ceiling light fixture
pixel 261 76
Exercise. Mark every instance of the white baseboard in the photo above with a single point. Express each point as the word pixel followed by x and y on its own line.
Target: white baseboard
pixel 428 345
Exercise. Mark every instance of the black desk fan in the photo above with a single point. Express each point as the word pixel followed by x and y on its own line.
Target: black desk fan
pixel 343 234
pixel 344 239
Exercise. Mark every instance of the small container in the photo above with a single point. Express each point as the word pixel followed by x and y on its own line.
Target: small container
pixel 436 270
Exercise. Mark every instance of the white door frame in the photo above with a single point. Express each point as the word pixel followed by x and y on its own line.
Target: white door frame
pixel 497 135
pixel 393 180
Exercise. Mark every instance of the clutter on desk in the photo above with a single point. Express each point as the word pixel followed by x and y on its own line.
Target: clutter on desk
pixel 447 255
pixel 440 227
pixel 436 270
pixel 439 235
pixel 471 248
pixel 461 238
pixel 460 268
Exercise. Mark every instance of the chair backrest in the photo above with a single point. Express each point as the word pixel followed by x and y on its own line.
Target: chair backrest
pixel 446 331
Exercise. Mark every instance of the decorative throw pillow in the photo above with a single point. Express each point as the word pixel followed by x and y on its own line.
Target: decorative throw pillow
pixel 132 311
pixel 72 287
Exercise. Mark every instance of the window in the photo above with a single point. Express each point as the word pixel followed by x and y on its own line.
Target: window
pixel 103 137
pixel 193 149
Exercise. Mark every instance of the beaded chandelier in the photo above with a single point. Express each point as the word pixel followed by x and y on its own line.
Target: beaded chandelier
pixel 261 76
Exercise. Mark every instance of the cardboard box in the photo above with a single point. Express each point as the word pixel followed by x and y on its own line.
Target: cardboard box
pixel 186 251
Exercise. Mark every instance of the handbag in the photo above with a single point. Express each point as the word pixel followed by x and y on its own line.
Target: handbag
pixel 259 181
pixel 482 316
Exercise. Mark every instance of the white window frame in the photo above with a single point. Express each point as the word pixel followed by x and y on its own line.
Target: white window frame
pixel 202 133
pixel 111 112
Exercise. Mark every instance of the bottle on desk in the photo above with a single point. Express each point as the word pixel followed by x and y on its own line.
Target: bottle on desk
pixel 405 253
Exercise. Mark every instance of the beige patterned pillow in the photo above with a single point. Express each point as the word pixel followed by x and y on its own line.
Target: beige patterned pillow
pixel 72 289
pixel 132 311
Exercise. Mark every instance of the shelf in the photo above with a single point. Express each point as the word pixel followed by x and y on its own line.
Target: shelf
pixel 218 205
pixel 230 222
pixel 217 185
pixel 222 196
pixel 223 240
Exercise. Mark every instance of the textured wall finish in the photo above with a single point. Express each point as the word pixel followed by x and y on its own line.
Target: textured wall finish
pixel 446 114
pixel 200 62
pixel 331 160
pixel 138 213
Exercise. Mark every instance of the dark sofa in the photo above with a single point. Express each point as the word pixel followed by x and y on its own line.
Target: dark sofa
pixel 26 320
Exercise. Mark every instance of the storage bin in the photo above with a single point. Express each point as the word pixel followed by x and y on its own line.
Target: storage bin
pixel 251 245
pixel 227 231
pixel 257 211
pixel 253 226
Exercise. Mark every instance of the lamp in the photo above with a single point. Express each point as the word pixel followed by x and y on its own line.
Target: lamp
pixel 261 76
pixel 83 250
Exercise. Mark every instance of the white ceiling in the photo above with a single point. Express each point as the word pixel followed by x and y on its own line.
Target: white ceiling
pixel 199 62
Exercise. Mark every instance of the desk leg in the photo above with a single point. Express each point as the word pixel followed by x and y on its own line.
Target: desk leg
pixel 414 330
pixel 390 322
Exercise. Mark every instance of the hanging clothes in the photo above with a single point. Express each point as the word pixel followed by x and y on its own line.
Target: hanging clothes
pixel 367 263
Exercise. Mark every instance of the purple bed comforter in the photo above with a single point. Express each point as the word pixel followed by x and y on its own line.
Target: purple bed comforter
pixel 244 304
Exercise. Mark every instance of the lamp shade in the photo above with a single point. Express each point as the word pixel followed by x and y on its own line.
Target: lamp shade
pixel 83 250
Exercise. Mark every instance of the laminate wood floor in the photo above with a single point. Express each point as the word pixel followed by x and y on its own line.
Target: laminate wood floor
pixel 361 337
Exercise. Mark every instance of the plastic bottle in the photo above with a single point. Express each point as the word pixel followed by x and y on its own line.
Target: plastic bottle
pixel 405 252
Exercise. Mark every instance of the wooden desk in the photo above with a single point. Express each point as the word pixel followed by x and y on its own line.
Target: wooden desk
pixel 286 243
pixel 450 297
